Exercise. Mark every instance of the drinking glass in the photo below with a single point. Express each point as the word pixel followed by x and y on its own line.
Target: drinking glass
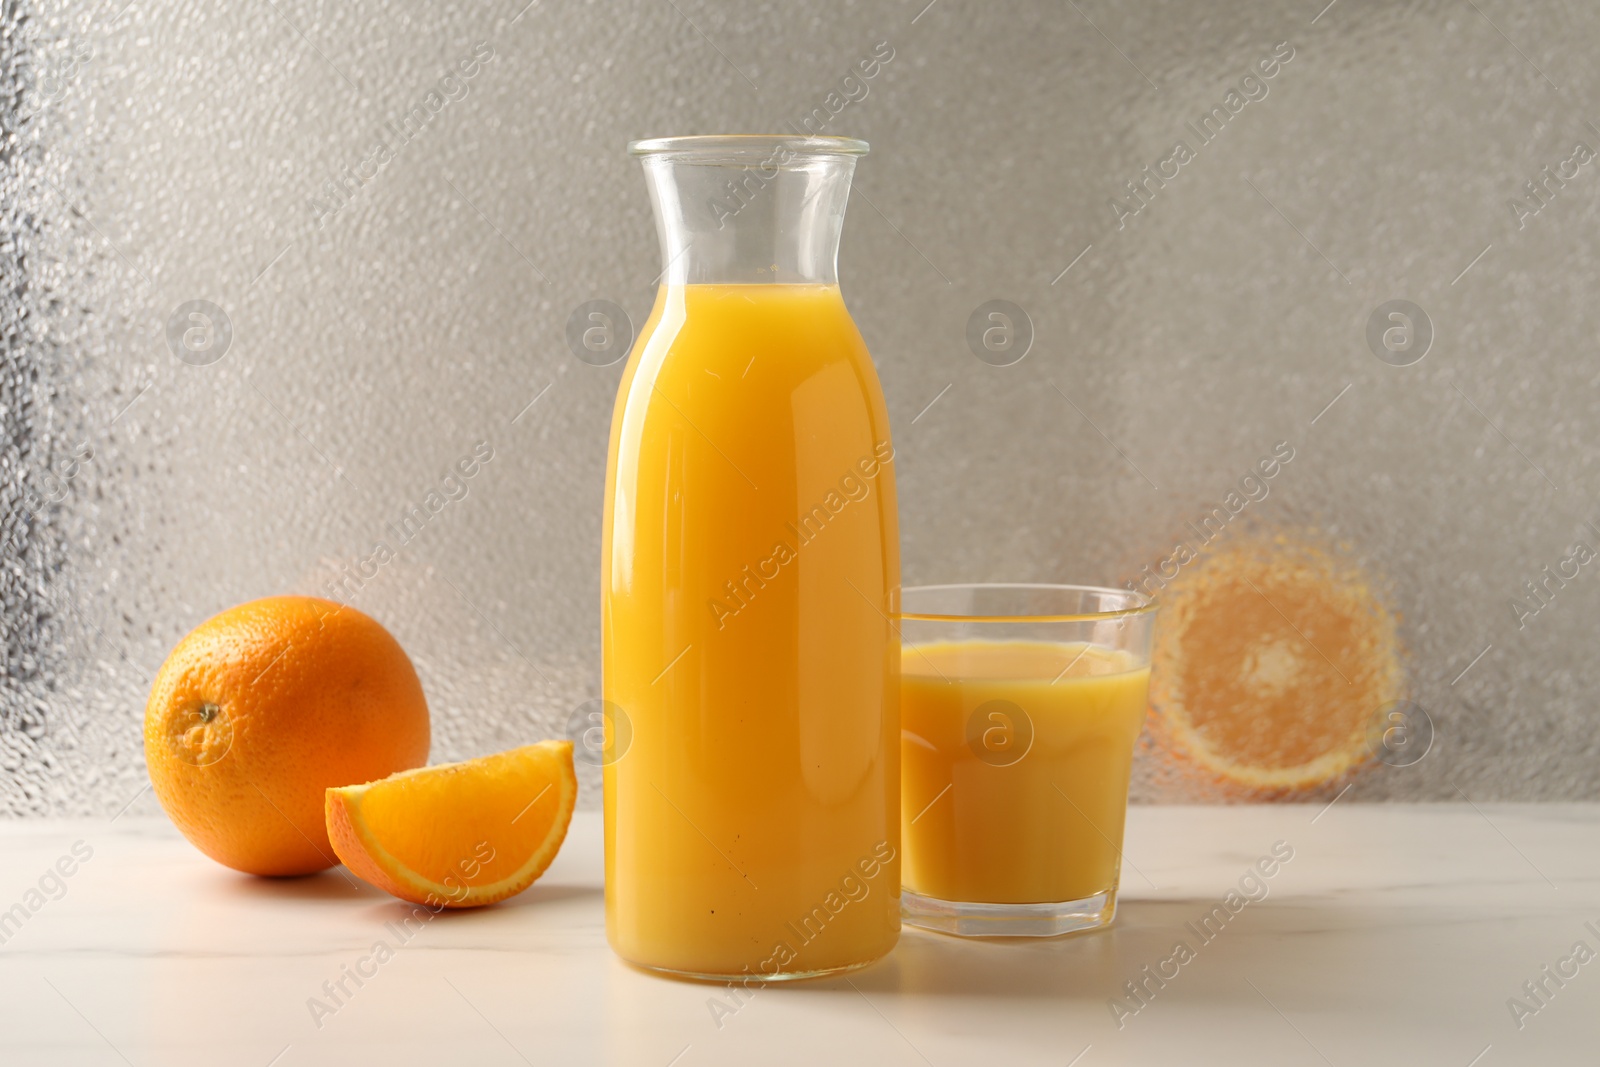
pixel 1020 705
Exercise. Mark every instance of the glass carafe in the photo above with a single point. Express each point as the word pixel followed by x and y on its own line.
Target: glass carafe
pixel 749 573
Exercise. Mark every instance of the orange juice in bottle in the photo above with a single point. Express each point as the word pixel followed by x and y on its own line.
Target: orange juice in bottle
pixel 750 560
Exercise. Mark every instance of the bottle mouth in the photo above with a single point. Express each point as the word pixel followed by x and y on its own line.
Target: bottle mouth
pixel 746 149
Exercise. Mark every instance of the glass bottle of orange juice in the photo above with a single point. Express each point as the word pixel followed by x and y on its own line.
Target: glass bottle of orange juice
pixel 751 559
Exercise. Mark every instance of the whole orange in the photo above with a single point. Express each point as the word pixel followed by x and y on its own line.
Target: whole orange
pixel 263 708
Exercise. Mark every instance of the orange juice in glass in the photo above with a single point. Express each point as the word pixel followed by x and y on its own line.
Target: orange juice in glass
pixel 750 556
pixel 1020 705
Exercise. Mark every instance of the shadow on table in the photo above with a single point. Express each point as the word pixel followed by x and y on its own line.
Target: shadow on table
pixel 334 883
pixel 536 895
pixel 1098 965
pixel 337 883
pixel 393 910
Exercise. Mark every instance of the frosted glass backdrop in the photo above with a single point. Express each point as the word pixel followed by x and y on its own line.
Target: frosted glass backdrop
pixel 385 315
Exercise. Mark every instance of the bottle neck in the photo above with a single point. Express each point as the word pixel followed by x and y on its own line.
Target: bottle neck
pixel 772 218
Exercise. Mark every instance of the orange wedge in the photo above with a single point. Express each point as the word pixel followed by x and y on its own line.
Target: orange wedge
pixel 459 835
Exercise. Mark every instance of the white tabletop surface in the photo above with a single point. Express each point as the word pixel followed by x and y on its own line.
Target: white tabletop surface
pixel 1396 935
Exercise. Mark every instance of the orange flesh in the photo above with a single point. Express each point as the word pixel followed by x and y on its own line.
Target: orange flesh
pixel 1271 663
pixel 750 550
pixel 460 834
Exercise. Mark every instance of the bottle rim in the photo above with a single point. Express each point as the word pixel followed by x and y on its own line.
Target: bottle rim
pixel 746 149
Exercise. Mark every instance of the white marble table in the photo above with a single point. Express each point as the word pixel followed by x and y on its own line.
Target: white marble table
pixel 1395 935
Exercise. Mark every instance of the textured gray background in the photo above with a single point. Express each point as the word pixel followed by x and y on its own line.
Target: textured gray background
pixel 173 159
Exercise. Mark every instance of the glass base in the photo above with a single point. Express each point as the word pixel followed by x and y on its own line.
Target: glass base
pixel 746 978
pixel 965 919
